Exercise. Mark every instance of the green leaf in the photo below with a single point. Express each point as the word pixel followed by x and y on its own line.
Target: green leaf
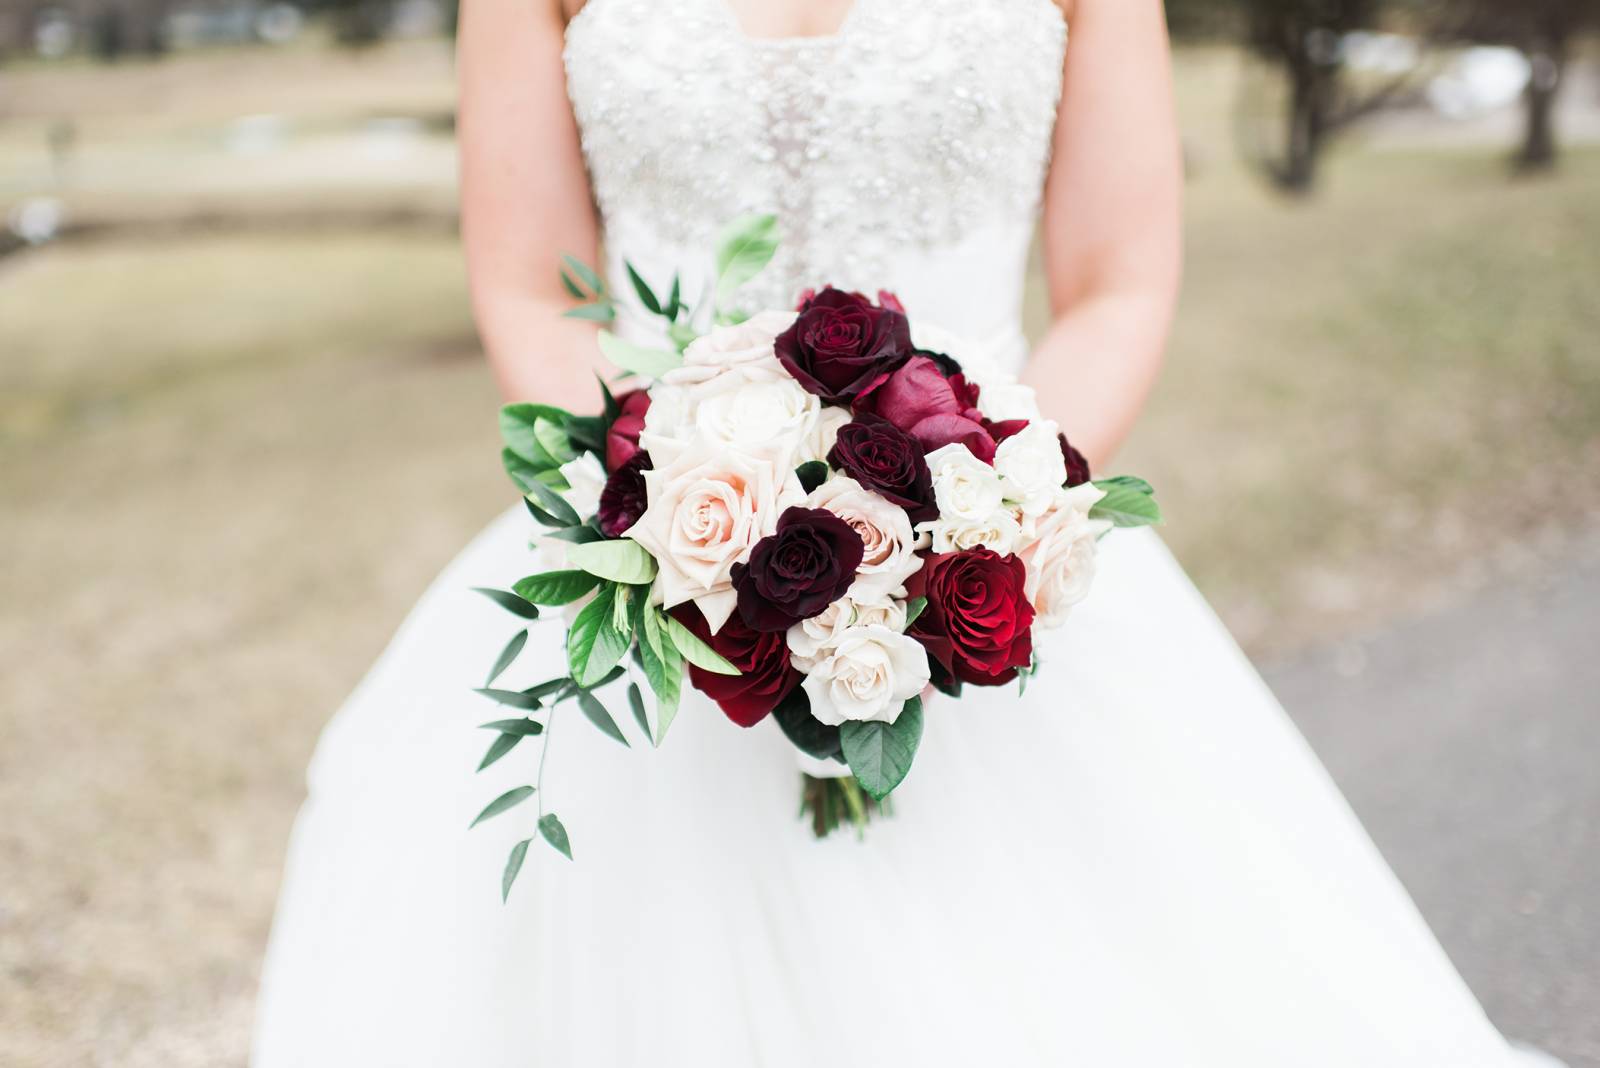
pixel 651 363
pixel 513 865
pixel 512 698
pixel 588 433
pixel 597 714
pixel 521 472
pixel 694 650
pixel 1128 502
pixel 577 535
pixel 809 734
pixel 646 296
pixel 510 799
pixel 601 311
pixel 510 602
pixel 914 608
pixel 551 831
pixel 663 669
pixel 524 727
pixel 517 423
pixel 555 587
pixel 570 284
pixel 746 246
pixel 812 474
pixel 636 703
pixel 550 686
pixel 880 754
pixel 556 506
pixel 621 560
pixel 593 646
pixel 553 438
pixel 502 744
pixel 507 655
pixel 583 272
pixel 607 679
pixel 675 299
pixel 681 335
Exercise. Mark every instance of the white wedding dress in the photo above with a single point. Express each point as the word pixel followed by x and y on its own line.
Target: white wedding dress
pixel 1139 862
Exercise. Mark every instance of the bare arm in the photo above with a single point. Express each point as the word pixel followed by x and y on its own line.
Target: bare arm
pixel 1111 224
pixel 524 200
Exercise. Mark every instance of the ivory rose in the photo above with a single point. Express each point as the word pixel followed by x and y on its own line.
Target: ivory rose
pixel 869 673
pixel 811 639
pixel 1061 560
pixel 964 487
pixel 1031 467
pixel 705 512
pixel 889 554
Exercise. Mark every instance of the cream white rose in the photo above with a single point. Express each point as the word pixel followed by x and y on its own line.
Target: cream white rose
pixel 705 511
pixel 1061 561
pixel 746 344
pixel 769 419
pixel 820 441
pixel 999 531
pixel 869 673
pixel 1031 467
pixel 812 639
pixel 964 487
pixel 587 478
pixel 889 546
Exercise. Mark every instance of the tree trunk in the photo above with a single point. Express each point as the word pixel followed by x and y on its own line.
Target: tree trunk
pixel 1308 125
pixel 1538 150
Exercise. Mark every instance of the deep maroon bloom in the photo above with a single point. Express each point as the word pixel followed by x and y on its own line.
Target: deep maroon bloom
pixel 765 674
pixel 1077 465
pixel 805 565
pixel 622 436
pixel 978 622
pixel 888 461
pixel 622 501
pixel 933 409
pixel 841 343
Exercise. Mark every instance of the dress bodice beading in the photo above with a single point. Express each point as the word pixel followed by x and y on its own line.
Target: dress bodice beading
pixel 907 150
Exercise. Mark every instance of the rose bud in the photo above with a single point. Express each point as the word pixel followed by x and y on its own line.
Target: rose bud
pixel 840 343
pixel 933 409
pixel 765 674
pixel 886 460
pixel 623 499
pixel 806 564
pixel 1077 465
pixel 977 621
pixel 622 436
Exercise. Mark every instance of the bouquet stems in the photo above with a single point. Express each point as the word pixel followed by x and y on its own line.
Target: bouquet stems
pixel 834 801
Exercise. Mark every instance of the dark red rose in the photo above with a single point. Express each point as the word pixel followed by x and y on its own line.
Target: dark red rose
pixel 840 343
pixel 805 565
pixel 888 300
pixel 622 501
pixel 933 409
pixel 1077 466
pixel 888 461
pixel 1005 428
pixel 622 436
pixel 978 621
pixel 765 674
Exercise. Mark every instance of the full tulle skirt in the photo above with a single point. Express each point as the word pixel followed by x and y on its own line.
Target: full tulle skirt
pixel 1138 861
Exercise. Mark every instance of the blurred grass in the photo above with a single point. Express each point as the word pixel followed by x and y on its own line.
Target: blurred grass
pixel 229 463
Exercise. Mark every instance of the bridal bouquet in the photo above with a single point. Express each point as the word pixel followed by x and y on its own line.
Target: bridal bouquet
pixel 809 515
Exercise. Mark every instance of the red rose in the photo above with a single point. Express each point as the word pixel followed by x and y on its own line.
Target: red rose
pixel 1077 466
pixel 888 461
pixel 765 674
pixel 841 343
pixel 977 622
pixel 623 500
pixel 622 436
pixel 934 409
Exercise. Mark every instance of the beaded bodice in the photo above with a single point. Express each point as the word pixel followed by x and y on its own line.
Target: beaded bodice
pixel 913 139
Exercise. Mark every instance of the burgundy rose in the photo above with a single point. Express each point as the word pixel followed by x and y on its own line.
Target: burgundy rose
pixel 888 300
pixel 805 565
pixel 1077 465
pixel 978 619
pixel 765 674
pixel 933 409
pixel 622 501
pixel 622 436
pixel 888 461
pixel 841 343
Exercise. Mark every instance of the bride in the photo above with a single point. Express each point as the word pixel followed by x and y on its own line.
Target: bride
pixel 1139 862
